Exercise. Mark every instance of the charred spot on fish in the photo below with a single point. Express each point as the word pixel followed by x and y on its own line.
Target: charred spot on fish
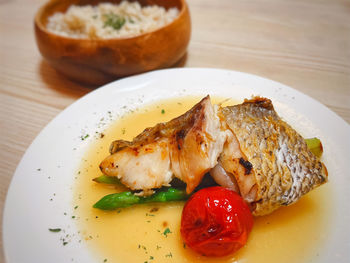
pixel 260 102
pixel 157 134
pixel 149 149
pixel 135 150
pixel 179 136
pixel 247 165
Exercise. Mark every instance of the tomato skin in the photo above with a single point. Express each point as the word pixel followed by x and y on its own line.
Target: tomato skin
pixel 216 222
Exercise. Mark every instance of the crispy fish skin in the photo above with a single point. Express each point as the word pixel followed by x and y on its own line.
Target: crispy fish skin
pixel 284 167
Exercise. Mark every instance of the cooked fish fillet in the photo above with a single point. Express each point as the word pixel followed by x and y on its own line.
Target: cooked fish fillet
pixel 246 148
pixel 274 153
pixel 186 147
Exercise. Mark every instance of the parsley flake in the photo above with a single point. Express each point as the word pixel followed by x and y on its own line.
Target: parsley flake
pixel 114 21
pixel 84 137
pixel 55 229
pixel 166 232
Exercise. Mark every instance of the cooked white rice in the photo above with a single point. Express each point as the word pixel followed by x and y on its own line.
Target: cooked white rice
pixel 104 20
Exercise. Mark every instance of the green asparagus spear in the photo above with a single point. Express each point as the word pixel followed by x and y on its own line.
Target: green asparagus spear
pixel 315 146
pixel 170 194
pixel 125 199
pixel 118 200
pixel 105 179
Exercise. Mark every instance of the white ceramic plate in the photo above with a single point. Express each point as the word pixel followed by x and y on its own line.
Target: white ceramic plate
pixel 41 189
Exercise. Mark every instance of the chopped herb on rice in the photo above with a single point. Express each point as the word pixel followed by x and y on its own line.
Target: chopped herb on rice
pixel 108 20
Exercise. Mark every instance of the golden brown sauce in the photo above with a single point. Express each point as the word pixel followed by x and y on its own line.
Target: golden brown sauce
pixel 139 234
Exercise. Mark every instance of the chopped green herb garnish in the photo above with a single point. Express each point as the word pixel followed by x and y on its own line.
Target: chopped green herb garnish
pixel 123 131
pixel 73 217
pixel 166 232
pixel 169 255
pixel 105 260
pixel 163 111
pixel 151 257
pixel 84 137
pixel 55 229
pixel 76 207
pixel 114 21
pixel 65 243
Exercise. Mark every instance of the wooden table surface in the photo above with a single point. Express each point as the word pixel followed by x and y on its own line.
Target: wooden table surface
pixel 304 44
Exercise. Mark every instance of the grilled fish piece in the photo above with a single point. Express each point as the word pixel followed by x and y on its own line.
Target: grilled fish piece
pixel 186 147
pixel 273 153
pixel 246 147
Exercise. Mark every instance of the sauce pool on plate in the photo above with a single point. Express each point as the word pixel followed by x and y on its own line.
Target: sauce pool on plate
pixel 151 232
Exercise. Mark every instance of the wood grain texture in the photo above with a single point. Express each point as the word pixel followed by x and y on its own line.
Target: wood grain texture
pixel 303 44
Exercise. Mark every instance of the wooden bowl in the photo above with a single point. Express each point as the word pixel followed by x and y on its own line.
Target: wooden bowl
pixel 96 62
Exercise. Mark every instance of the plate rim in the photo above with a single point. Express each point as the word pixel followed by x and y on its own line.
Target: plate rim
pixel 110 85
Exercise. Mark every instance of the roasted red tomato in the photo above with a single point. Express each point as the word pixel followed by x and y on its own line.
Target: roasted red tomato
pixel 216 222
